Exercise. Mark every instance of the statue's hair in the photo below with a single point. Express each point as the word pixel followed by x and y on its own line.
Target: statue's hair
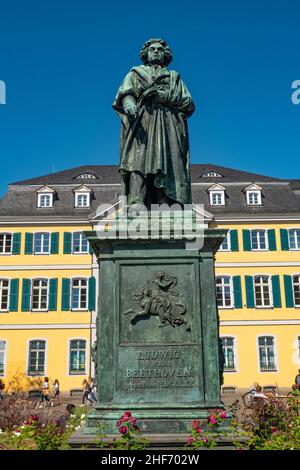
pixel 144 51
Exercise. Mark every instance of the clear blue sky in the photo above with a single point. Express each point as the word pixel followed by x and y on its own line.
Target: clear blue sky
pixel 63 61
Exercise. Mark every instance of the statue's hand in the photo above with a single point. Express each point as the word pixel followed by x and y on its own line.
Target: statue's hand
pixel 130 107
pixel 131 110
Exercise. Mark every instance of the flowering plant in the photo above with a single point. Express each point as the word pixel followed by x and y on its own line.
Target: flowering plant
pixel 199 437
pixel 129 430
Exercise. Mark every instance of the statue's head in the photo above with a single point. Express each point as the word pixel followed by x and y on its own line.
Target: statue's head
pixel 156 51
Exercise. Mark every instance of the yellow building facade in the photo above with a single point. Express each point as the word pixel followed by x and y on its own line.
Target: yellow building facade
pixel 49 288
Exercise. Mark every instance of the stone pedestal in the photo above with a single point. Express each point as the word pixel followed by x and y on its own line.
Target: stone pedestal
pixel 158 341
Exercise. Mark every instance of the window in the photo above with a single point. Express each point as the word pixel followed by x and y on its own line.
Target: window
pixel 229 356
pixel 211 174
pixel 294 239
pixel 37 355
pixel 266 354
pixel 296 288
pixel 259 240
pixel 80 243
pixel 2 356
pixel 86 176
pixel 217 198
pixel 224 291
pixel 77 356
pixel 45 200
pixel 41 243
pixel 253 198
pixel 5 243
pixel 40 294
pixel 4 294
pixel 82 200
pixel 79 294
pixel 225 246
pixel 262 291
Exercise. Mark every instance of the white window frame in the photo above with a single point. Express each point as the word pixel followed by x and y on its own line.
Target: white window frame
pixel 3 253
pixel 78 195
pixel 45 361
pixel 86 176
pixel 293 284
pixel 235 369
pixel 42 243
pixel 261 290
pixel 228 238
pixel 276 369
pixel 258 239
pixel 39 288
pixel 69 357
pixel 256 192
pixel 40 197
pixel 8 294
pixel 4 357
pixel 220 193
pixel 223 291
pixel 79 252
pixel 80 309
pixel 211 174
pixel 289 238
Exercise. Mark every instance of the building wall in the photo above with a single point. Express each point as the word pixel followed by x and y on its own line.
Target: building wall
pixel 247 324
pixel 58 327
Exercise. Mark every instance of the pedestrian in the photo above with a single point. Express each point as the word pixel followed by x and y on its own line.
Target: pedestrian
pixel 45 390
pixel 93 391
pixel 86 392
pixel 297 381
pixel 56 392
pixel 2 387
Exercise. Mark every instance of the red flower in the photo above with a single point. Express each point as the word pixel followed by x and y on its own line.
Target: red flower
pixel 123 430
pixel 274 429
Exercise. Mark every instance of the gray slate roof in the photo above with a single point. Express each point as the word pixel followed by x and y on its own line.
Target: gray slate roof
pixel 279 196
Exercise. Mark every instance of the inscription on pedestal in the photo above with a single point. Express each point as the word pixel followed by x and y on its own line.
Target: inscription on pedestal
pixel 163 368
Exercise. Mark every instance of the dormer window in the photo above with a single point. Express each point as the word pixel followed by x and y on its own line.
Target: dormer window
pixel 82 197
pixel 217 195
pixel 253 195
pixel 211 174
pixel 87 176
pixel 45 197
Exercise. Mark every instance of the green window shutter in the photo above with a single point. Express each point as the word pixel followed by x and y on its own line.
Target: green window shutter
pixel 246 240
pixel 249 292
pixel 54 243
pixel 67 243
pixel 14 295
pixel 28 243
pixel 53 295
pixel 276 291
pixel 92 293
pixel 65 296
pixel 234 241
pixel 284 239
pixel 237 291
pixel 289 291
pixel 26 295
pixel 91 251
pixel 272 240
pixel 16 245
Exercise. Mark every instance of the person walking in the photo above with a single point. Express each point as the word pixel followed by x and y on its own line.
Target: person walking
pixel 56 393
pixel 45 391
pixel 92 392
pixel 2 387
pixel 86 392
pixel 297 381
